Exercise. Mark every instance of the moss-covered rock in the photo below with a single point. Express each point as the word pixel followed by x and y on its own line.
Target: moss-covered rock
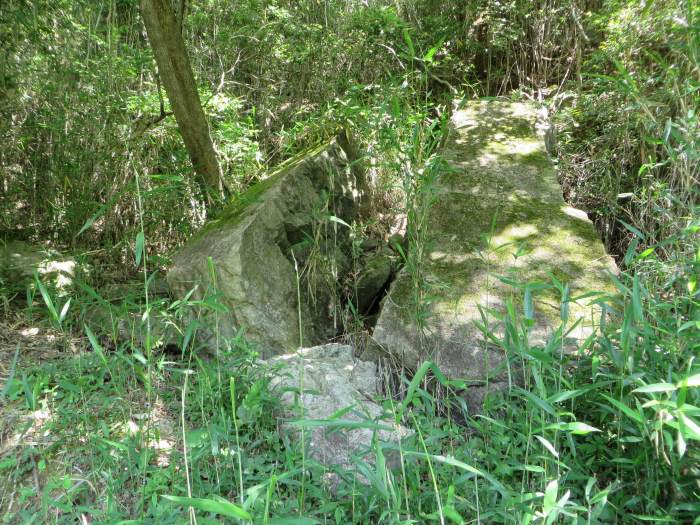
pixel 20 260
pixel 376 269
pixel 253 244
pixel 499 218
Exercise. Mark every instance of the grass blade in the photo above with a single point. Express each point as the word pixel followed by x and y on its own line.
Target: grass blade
pixel 220 507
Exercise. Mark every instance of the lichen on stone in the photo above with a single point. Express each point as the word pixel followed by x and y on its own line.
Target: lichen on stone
pixel 499 223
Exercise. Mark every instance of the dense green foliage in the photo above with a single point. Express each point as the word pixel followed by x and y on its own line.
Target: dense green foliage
pixel 630 129
pixel 92 162
pixel 82 107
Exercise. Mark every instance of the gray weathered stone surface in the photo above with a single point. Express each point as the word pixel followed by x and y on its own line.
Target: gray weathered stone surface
pixel 316 383
pixel 252 245
pixel 499 168
pixel 19 260
pixel 376 269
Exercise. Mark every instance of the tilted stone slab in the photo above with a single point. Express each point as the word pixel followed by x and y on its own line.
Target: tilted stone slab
pixel 498 211
pixel 253 246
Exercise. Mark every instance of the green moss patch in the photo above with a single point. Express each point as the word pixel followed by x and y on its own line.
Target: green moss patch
pixel 500 223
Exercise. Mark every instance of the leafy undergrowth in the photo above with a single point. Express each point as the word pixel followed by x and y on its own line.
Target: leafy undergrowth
pixel 124 434
pixel 132 421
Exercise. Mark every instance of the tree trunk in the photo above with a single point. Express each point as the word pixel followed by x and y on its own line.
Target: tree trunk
pixel 178 79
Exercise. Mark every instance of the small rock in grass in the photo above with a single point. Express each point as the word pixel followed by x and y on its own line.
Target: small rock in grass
pixel 327 384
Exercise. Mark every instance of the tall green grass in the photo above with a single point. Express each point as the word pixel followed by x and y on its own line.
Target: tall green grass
pixel 607 433
pixel 133 430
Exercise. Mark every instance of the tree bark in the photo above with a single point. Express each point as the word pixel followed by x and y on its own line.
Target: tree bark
pixel 178 79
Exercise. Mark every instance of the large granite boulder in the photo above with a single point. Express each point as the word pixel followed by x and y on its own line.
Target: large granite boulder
pixel 498 215
pixel 315 386
pixel 285 228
